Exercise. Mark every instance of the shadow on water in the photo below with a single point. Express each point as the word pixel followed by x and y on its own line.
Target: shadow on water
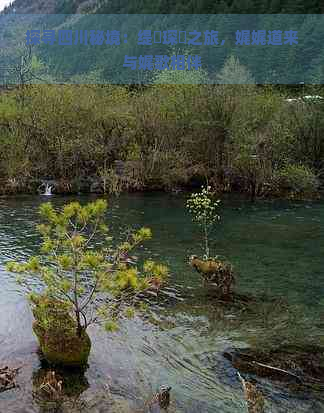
pixel 275 249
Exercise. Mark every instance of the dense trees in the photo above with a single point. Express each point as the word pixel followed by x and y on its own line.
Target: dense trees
pixel 207 6
pixel 239 137
pixel 97 63
pixel 169 6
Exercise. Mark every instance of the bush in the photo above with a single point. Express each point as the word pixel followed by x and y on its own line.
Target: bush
pixel 298 180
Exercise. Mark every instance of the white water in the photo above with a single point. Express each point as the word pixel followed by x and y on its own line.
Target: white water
pixel 48 190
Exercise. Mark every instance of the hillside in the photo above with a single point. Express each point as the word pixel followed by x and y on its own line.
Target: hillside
pixel 167 6
pixel 90 64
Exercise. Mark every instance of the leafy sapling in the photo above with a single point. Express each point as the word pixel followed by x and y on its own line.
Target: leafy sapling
pixel 203 208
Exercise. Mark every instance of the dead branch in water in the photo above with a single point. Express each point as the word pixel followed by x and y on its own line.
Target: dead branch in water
pixel 254 398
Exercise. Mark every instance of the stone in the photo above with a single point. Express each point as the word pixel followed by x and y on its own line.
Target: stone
pixel 56 331
pixel 216 273
pixel 293 364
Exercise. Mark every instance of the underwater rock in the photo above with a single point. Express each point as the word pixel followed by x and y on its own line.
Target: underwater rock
pixel 60 390
pixel 7 378
pixel 291 364
pixel 49 388
pixel 57 334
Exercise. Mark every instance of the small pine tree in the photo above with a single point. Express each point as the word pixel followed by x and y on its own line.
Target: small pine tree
pixel 81 268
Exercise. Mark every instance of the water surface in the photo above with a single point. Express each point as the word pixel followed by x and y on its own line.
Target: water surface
pixel 277 249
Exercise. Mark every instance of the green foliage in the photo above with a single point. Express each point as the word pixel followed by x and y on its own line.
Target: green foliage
pixel 234 73
pixel 297 180
pixel 166 136
pixel 203 208
pixel 181 77
pixel 110 181
pixel 81 268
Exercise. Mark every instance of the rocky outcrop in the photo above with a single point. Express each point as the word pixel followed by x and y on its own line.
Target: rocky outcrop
pixel 56 331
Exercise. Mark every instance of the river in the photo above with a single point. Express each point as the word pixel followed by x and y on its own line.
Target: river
pixel 277 248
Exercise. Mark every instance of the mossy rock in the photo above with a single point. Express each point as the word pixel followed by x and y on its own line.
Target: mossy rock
pixel 217 274
pixel 56 331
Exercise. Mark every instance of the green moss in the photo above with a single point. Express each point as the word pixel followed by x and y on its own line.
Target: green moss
pixel 57 334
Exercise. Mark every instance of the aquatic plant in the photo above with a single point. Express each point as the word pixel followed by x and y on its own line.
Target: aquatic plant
pixel 81 275
pixel 202 206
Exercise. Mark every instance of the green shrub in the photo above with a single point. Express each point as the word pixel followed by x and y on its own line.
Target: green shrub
pixel 82 269
pixel 295 179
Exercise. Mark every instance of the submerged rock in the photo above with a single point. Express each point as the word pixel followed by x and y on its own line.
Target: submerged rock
pixel 57 334
pixel 49 388
pixel 60 390
pixel 7 378
pixel 291 364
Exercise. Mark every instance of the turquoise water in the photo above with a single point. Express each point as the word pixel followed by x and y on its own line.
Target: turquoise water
pixel 277 249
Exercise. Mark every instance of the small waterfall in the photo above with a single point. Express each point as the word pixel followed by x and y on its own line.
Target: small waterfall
pixel 48 190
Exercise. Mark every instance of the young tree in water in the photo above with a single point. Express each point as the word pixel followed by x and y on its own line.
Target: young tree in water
pixel 81 267
pixel 202 206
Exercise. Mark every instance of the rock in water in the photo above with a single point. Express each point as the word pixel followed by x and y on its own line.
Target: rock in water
pixel 56 331
pixel 7 378
pixel 215 272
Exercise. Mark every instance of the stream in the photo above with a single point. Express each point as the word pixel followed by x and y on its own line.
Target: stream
pixel 277 249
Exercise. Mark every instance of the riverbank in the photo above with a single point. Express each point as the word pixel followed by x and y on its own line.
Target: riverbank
pixel 96 186
pixel 111 139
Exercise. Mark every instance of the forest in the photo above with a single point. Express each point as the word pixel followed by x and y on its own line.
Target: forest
pixel 176 7
pixel 99 138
